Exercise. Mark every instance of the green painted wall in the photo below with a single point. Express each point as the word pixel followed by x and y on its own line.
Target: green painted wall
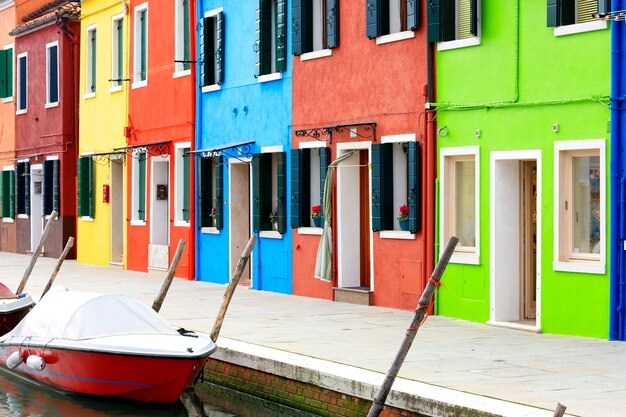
pixel 564 80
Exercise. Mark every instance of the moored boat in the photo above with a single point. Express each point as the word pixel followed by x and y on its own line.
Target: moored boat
pixel 13 308
pixel 104 344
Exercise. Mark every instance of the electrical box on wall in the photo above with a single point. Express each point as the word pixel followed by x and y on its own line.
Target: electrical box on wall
pixel 105 193
pixel 161 192
pixel 37 187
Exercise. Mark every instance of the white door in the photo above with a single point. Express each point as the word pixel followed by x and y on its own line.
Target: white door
pixel 116 202
pixel 36 205
pixel 158 250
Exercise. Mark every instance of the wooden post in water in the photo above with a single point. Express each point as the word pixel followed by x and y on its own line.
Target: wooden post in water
pixel 68 246
pixel 418 319
pixel 560 410
pixel 33 259
pixel 243 260
pixel 158 302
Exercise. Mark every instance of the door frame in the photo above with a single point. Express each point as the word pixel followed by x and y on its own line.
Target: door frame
pixel 118 160
pixel 495 241
pixel 342 148
pixel 33 217
pixel 152 194
pixel 231 161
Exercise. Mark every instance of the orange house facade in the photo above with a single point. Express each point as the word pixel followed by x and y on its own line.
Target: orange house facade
pixel 159 134
pixel 360 85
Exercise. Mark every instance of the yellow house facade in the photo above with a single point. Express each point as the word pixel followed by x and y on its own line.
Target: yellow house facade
pixel 103 117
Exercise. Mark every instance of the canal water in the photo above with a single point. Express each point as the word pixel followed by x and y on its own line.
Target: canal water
pixel 19 398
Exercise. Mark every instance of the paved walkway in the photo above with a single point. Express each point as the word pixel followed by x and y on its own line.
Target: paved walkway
pixel 587 375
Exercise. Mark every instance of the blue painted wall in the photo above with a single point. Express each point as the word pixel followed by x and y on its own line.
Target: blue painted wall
pixel 267 123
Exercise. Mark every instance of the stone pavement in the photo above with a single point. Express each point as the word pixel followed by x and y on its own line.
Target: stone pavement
pixel 463 362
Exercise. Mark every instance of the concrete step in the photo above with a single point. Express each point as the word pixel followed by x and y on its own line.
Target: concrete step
pixel 354 295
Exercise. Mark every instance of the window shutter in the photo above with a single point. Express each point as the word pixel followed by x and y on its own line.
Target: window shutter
pixel 11 194
pixel 219 193
pixel 46 187
pixel 296 26
pixel 382 186
pixel 332 23
pixel 93 58
pixel 5 194
pixel 296 181
pixel 186 35
pixel 141 206
pixel 80 184
pixel 10 72
pixel 433 20
pixel 202 56
pixel 144 59
pixel 281 35
pixel 281 190
pixel 4 79
pixel 120 51
pixel 412 14
pixel 54 74
pixel 448 15
pixel 186 178
pixel 91 185
pixel 263 38
pixel 372 18
pixel 23 94
pixel 256 192
pixel 219 43
pixel 27 188
pixel 568 12
pixel 56 186
pixel 553 13
pixel 324 162
pixel 474 17
pixel 415 187
pixel 604 6
pixel 20 188
pixel 204 192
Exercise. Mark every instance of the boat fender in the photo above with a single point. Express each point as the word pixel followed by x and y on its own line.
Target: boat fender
pixel 36 362
pixel 14 360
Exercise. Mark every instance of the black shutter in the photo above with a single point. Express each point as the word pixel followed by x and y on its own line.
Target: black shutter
pixel 305 187
pixel 414 168
pixel 448 20
pixel 27 188
pixel 281 190
pixel 219 46
pixel 474 17
pixel 263 38
pixel 56 186
pixel 433 20
pixel 412 14
pixel 46 187
pixel 296 178
pixel 332 23
pixel 307 25
pixel 21 178
pixel 554 13
pixel 324 162
pixel 281 35
pixel 219 193
pixel 382 187
pixel 568 12
pixel 204 192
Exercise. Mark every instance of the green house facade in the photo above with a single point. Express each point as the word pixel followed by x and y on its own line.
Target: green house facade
pixel 523 155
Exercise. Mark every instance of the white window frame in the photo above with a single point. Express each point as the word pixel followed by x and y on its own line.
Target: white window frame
pixel 179 40
pixel 115 53
pixel 89 62
pixel 574 28
pixel 9 219
pixel 179 182
pixel 134 221
pixel 49 103
pixel 137 81
pixel 467 255
pixel 562 260
pixel 463 43
pixel 14 67
pixel 216 86
pixel 18 103
pixel 308 230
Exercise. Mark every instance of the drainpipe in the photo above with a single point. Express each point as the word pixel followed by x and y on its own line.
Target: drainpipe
pixel 191 274
pixel 431 161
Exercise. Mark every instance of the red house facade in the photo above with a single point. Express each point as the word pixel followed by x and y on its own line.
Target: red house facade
pixel 160 134
pixel 359 91
pixel 46 122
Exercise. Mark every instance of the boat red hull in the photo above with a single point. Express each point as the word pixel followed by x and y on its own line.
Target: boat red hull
pixel 139 378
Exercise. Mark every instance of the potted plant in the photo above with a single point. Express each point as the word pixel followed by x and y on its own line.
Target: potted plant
pixel 403 217
pixel 316 215
pixel 213 216
pixel 274 218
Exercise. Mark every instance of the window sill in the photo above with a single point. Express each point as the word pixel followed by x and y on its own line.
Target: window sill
pixel 87 96
pixel 18 112
pixel 183 73
pixel 580 28
pixel 137 222
pixel 396 234
pixel 51 105
pixel 139 84
pixel 322 53
pixel 7 99
pixel 395 37
pixel 465 258
pixel 8 220
pixel 270 77
pixel 580 266
pixel 116 88
pixel 270 234
pixel 310 231
pixel 460 43
pixel 210 88
pixel 23 216
pixel 87 218
pixel 210 230
pixel 181 223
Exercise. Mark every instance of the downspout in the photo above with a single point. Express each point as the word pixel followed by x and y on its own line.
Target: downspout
pixel 198 125
pixel 191 274
pixel 430 251
pixel 616 320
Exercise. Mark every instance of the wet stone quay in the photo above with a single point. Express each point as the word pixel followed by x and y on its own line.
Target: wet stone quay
pixel 329 358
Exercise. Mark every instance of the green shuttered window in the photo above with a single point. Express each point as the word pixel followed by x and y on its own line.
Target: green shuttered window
pixel 186 35
pixel 210 193
pixel 6 73
pixel 51 187
pixel 8 193
pixel 383 17
pixel 186 184
pixel 138 202
pixel 450 20
pixel 269 210
pixel 308 174
pixel 117 53
pixel 271 36
pixel 86 187
pixel 314 25
pixel 569 12
pixel 22 82
pixel 23 188
pixel 211 45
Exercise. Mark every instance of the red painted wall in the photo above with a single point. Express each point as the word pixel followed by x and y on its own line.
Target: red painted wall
pixel 365 82
pixel 161 111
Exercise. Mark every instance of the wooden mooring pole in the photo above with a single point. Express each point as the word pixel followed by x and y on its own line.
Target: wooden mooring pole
pixel 68 246
pixel 560 410
pixel 418 318
pixel 243 260
pixel 169 277
pixel 33 259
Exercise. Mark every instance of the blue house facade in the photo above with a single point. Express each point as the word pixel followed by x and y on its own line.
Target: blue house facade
pixel 242 139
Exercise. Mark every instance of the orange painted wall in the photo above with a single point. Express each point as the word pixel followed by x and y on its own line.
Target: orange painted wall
pixel 160 111
pixel 365 82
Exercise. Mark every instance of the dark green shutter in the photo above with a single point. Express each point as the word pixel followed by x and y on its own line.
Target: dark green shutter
pixel 568 12
pixel 373 12
pixel 8 194
pixel 4 79
pixel 80 192
pixel 433 20
pixel 305 187
pixel 204 192
pixel 19 172
pixel 332 23
pixel 448 20
pixel 604 6
pixel 202 56
pixel 186 35
pixel 382 187
pixel 120 51
pixel 474 17
pixel 56 186
pixel 10 72
pixel 93 61
pixel 262 204
pixel 553 13
pixel 144 58
pixel 281 190
pixel 49 189
pixel 27 188
pixel 296 27
pixel 324 162
pixel 11 194
pixel 296 180
pixel 263 37
pixel 412 14
pixel 186 186
pixel 219 46
pixel 219 193
pixel 281 35
pixel 141 206
pixel 91 178
pixel 256 192
pixel 414 168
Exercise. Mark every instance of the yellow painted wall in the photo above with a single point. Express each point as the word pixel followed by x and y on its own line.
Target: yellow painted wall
pixel 7 107
pixel 102 120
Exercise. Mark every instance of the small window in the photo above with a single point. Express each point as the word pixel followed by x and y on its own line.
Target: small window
pixel 51 187
pixel 139 186
pixel 580 195
pixel 453 20
pixel 8 193
pixel 315 25
pixel 86 184
pixel 52 74
pixel 91 61
pixel 182 184
pixel 384 17
pixel 212 50
pixel 117 52
pixel 570 12
pixel 22 83
pixel 308 174
pixel 182 52
pixel 140 74
pixel 6 73
pixel 270 34
pixel 269 188
pixel 23 188
pixel 210 194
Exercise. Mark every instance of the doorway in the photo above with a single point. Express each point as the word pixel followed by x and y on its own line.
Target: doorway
pixel 36 205
pixel 158 250
pixel 239 215
pixel 116 254
pixel 515 239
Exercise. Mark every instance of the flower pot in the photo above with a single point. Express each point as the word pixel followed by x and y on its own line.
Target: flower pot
pixel 317 221
pixel 404 224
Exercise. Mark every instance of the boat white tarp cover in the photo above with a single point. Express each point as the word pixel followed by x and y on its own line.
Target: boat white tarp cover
pixel 84 315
